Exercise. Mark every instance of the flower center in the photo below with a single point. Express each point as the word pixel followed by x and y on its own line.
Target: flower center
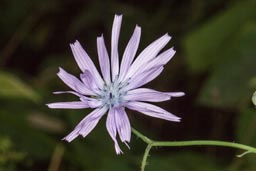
pixel 112 95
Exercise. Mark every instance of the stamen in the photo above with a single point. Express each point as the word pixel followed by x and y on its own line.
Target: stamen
pixel 111 94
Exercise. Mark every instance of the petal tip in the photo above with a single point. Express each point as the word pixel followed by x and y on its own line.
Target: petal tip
pixel 137 27
pixel 60 70
pixel 65 139
pixel 119 15
pixel 179 94
pixel 182 94
pixel 50 105
pixel 168 36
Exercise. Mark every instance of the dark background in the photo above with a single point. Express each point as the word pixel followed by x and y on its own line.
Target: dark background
pixel 214 65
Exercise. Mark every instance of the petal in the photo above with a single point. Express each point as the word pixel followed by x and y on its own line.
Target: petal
pixel 114 45
pixel 175 94
pixel 145 94
pixel 143 78
pixel 103 59
pixel 87 124
pixel 150 95
pixel 111 127
pixel 91 101
pixel 161 59
pixel 73 82
pixel 89 81
pixel 130 52
pixel 68 105
pixel 148 54
pixel 85 63
pixel 152 110
pixel 68 92
pixel 164 57
pixel 94 103
pixel 123 125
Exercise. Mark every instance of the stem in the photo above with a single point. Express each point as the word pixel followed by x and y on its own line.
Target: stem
pixel 145 157
pixel 204 142
pixel 151 143
pixel 141 136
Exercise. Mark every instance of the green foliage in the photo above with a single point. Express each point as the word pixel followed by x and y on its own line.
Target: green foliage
pixel 205 46
pixel 8 156
pixel 225 47
pixel 13 87
pixel 246 123
pixel 182 161
pixel 229 86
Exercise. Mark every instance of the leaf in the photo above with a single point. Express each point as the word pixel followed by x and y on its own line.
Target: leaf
pixel 245 134
pixel 34 142
pixel 229 85
pixel 204 46
pixel 246 123
pixel 181 162
pixel 13 87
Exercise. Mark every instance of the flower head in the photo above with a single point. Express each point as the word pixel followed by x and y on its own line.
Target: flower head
pixel 119 85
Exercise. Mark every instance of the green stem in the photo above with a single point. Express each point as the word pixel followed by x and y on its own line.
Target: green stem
pixel 204 142
pixel 145 157
pixel 152 143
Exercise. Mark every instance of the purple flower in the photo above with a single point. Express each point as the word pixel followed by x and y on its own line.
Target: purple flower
pixel 119 85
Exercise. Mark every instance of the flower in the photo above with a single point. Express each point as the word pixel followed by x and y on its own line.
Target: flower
pixel 119 86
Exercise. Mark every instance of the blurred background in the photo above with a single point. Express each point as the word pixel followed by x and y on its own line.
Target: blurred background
pixel 215 65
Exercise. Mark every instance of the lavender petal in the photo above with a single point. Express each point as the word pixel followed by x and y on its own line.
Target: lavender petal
pixel 145 94
pixel 114 45
pixel 123 125
pixel 148 54
pixel 89 81
pixel 68 92
pixel 92 102
pixel 85 63
pixel 175 94
pixel 68 105
pixel 73 82
pixel 161 59
pixel 111 127
pixel 150 95
pixel 130 52
pixel 144 78
pixel 103 59
pixel 86 125
pixel 152 110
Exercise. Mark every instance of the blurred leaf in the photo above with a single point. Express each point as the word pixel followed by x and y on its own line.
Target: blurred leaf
pixel 182 162
pixel 204 46
pixel 40 36
pixel 253 82
pixel 228 85
pixel 14 13
pixel 13 87
pixel 246 123
pixel 36 143
pixel 114 164
pixel 7 153
pixel 47 123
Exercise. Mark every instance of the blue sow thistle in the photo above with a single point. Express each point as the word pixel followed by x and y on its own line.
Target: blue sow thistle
pixel 119 85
